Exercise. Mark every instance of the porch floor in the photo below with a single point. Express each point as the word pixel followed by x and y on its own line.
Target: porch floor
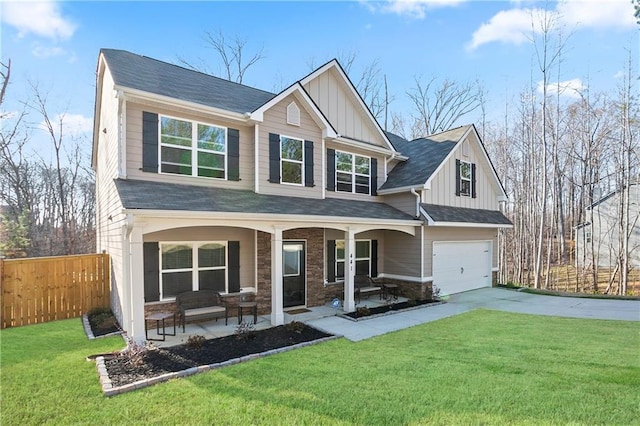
pixel 214 329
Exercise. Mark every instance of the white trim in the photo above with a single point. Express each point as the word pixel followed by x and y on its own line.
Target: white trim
pixel 324 169
pixel 407 278
pixel 174 102
pixel 293 114
pixel 122 136
pixel 494 268
pixel 306 272
pixel 353 172
pixel 469 179
pixel 401 189
pixel 470 225
pixel 334 64
pixel 256 158
pixel 302 163
pixel 364 146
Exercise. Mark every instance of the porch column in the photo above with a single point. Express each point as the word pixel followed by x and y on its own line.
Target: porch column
pixel 136 296
pixel 277 312
pixel 349 270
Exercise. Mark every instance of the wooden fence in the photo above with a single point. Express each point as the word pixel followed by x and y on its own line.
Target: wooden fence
pixel 36 290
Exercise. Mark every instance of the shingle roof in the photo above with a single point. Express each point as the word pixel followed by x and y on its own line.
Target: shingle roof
pixel 425 155
pixel 147 195
pixel 463 215
pixel 161 78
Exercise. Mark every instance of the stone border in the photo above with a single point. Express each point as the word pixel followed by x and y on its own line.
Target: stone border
pixel 392 312
pixel 89 332
pixel 109 390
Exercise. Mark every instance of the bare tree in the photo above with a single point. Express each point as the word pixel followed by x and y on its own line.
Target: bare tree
pixel 235 61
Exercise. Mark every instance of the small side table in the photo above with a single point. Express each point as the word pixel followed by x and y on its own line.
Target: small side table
pixel 390 289
pixel 157 317
pixel 253 306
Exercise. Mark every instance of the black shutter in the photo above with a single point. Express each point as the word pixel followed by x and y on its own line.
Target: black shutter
pixel 331 170
pixel 473 180
pixel 151 260
pixel 274 158
pixel 374 258
pixel 374 176
pixel 331 260
pixel 234 266
pixel 308 163
pixel 458 177
pixel 233 154
pixel 149 142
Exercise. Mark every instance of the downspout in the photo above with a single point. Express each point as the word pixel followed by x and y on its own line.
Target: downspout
pixel 413 191
pixel 126 273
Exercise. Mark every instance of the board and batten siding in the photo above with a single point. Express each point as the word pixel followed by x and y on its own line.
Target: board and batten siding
pixel 213 233
pixel 275 121
pixel 329 91
pixel 443 184
pixel 109 217
pixel 134 148
pixel 402 254
pixel 458 234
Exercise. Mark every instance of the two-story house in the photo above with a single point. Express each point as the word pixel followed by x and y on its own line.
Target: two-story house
pixel 203 183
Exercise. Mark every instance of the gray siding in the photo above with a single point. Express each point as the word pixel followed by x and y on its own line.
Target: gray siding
pixel 405 202
pixel 402 254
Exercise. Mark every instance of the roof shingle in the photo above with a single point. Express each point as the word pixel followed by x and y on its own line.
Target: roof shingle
pixel 463 215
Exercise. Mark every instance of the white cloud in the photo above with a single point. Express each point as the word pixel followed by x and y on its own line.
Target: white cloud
pixel 43 52
pixel 514 25
pixel 41 18
pixel 72 124
pixel 412 8
pixel 571 88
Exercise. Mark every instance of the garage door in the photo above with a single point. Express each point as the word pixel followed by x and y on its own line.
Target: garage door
pixel 461 266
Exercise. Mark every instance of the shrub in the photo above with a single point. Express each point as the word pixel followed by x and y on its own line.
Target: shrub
pixel 135 353
pixel 363 312
pixel 196 341
pixel 245 330
pixel 295 327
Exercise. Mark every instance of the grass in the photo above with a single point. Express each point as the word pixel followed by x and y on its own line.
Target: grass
pixel 482 367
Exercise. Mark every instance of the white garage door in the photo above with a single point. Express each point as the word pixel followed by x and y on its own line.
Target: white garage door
pixel 461 266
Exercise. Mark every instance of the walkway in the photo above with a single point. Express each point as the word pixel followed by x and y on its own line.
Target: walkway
pixel 487 298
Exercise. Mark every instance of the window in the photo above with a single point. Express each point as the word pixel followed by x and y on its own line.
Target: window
pixel 363 258
pixel 192 266
pixel 353 173
pixel 465 178
pixel 193 149
pixel 292 160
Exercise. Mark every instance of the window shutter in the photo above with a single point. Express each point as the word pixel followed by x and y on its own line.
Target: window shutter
pixel 473 180
pixel 374 258
pixel 308 163
pixel 274 158
pixel 331 170
pixel 233 154
pixel 233 268
pixel 149 142
pixel 151 260
pixel 458 177
pixel 374 176
pixel 331 260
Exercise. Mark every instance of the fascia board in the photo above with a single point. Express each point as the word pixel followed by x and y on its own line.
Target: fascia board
pixel 469 225
pixel 362 145
pixel 400 190
pixel 133 94
pixel 101 68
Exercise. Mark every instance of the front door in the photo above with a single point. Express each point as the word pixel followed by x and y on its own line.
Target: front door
pixel 293 273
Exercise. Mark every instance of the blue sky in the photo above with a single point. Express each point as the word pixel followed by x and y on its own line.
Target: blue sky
pixel 56 44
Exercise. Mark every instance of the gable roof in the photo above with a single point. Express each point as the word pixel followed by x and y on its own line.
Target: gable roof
pixel 133 71
pixel 149 195
pixel 425 156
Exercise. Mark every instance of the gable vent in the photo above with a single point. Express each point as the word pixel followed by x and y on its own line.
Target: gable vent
pixel 293 114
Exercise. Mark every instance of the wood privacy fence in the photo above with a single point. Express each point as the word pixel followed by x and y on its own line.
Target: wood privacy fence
pixel 36 290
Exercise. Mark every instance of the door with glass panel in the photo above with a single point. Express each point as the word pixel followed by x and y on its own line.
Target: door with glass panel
pixel 293 273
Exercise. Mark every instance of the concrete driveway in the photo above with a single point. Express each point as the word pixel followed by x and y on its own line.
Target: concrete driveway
pixel 487 298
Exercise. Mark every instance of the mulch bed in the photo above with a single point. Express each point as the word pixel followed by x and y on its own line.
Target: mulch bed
pixel 157 361
pixel 391 307
pixel 102 323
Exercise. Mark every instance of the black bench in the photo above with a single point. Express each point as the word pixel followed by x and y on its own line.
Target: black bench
pixel 201 304
pixel 364 285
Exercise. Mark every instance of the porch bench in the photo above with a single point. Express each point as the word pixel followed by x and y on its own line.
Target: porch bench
pixel 364 285
pixel 201 304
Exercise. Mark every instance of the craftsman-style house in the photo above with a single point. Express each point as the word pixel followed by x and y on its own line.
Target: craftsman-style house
pixel 203 183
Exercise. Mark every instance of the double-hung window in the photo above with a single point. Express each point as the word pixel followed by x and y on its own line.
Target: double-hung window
pixel 465 178
pixel 363 258
pixel 292 160
pixel 193 149
pixel 192 266
pixel 353 173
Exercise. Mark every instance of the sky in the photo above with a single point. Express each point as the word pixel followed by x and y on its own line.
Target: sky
pixel 56 44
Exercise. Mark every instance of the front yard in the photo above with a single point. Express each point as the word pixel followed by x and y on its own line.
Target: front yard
pixel 481 367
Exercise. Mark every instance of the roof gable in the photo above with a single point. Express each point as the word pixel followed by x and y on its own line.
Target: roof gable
pixel 137 72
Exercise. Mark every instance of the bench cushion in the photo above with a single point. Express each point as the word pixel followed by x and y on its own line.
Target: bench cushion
pixel 204 311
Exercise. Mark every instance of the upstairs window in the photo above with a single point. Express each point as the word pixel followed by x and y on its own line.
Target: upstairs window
pixel 465 179
pixel 353 173
pixel 292 160
pixel 193 149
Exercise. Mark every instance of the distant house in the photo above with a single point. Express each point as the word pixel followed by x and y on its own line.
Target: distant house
pixel 202 183
pixel 600 235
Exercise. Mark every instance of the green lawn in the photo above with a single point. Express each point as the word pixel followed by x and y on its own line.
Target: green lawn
pixel 483 367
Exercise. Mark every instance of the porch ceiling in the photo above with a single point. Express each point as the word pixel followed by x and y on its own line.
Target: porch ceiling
pixel 158 196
